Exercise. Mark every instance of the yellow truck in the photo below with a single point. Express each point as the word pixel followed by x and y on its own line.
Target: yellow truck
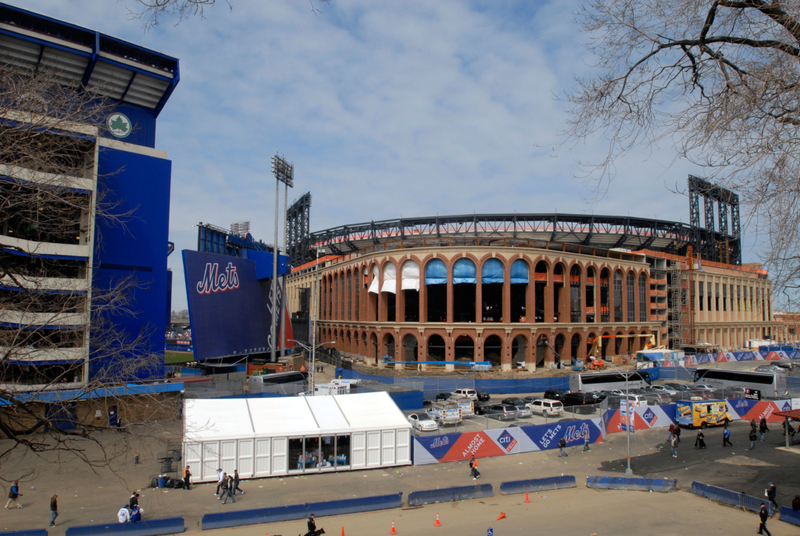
pixel 700 414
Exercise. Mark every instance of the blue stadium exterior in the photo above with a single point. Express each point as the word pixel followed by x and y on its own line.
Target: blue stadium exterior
pixel 129 169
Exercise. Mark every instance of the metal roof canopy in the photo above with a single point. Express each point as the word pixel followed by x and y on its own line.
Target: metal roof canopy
pixel 79 57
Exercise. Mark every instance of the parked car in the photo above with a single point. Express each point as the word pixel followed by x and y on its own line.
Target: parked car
pixel 483 396
pixel 503 412
pixel 422 422
pixel 555 394
pixel 580 402
pixel 514 401
pixel 443 396
pixel 682 389
pixel 472 394
pixel 523 411
pixel 769 368
pixel 671 391
pixel 659 396
pixel 548 408
pixel 480 407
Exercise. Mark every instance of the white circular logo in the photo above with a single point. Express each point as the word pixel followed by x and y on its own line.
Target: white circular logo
pixel 119 125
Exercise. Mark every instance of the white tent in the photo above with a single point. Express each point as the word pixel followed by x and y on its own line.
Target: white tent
pixel 294 435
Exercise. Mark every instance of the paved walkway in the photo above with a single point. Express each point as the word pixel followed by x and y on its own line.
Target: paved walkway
pixel 87 497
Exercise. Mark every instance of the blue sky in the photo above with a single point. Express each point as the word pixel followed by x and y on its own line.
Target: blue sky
pixel 386 109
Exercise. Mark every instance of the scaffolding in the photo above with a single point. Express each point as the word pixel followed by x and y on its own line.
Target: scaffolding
pixel 681 298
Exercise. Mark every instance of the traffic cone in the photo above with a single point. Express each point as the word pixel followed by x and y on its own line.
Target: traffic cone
pixel 342 531
pixel 393 531
pixel 438 523
pixel 502 516
pixel 526 497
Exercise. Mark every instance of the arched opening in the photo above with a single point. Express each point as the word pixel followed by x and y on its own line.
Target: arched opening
pixel 558 289
pixel 605 313
pixel 436 348
pixel 436 290
pixel 349 347
pixel 356 348
pixel 604 345
pixel 591 339
pixel 348 294
pixel 634 343
pixel 575 345
pixel 643 297
pixel 493 350
pixel 540 278
pixel 410 348
pixel 492 277
pixel 519 291
pixel 617 296
pixel 464 285
pixel 357 294
pixel 519 348
pixel 590 307
pixel 559 349
pixel 372 295
pixel 464 348
pixel 575 294
pixel 541 350
pixel 618 340
pixel 372 347
pixel 388 347
pixel 409 285
pixel 388 290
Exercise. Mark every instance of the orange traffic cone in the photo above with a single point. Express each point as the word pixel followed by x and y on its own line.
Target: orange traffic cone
pixel 502 516
pixel 342 531
pixel 526 497
pixel 438 523
pixel 393 531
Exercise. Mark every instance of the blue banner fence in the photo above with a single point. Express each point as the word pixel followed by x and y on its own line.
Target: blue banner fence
pixel 734 498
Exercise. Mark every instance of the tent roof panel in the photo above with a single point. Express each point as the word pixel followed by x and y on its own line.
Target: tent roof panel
pixel 371 411
pixel 210 419
pixel 282 416
pixel 330 418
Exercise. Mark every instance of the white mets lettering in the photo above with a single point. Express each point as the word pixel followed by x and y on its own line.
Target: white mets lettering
pixel 213 281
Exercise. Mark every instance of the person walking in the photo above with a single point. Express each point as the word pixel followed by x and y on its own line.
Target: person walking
pixel 221 478
pixel 562 446
pixel 473 469
pixel 13 495
pixel 753 438
pixel 187 478
pixel 763 428
pixel 677 432
pixel 671 431
pixel 236 482
pixel 772 492
pixel 227 491
pixel 674 445
pixel 53 510
pixel 753 425
pixel 726 437
pixel 763 516
pixel 586 438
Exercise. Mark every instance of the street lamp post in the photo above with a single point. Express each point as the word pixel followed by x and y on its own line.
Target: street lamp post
pixel 284 173
pixel 628 471
pixel 311 350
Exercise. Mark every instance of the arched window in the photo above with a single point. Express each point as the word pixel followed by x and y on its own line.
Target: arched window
pixel 575 294
pixel 617 296
pixel 643 297
pixel 604 297
pixel 631 298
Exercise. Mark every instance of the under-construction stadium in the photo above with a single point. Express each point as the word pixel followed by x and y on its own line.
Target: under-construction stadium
pixel 526 290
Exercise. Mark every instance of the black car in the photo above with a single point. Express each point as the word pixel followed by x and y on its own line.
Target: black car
pixel 480 407
pixel 580 402
pixel 514 401
pixel 483 396
pixel 555 394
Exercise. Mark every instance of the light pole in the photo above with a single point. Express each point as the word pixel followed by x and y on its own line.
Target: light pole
pixel 628 419
pixel 310 349
pixel 284 173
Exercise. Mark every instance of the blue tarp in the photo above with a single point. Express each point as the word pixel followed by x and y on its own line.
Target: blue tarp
pixel 436 273
pixel 464 272
pixel 492 272
pixel 519 272
pixel 633 484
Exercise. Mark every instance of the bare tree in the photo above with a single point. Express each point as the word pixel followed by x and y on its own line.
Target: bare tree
pixel 714 80
pixel 152 12
pixel 63 357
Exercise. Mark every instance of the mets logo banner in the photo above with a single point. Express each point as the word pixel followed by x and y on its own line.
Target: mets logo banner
pixel 228 307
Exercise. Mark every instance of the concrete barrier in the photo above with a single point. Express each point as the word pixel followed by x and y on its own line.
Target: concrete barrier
pixel 790 516
pixel 538 484
pixel 150 527
pixel 353 506
pixel 238 518
pixel 740 500
pixel 460 493
pixel 31 532
pixel 634 484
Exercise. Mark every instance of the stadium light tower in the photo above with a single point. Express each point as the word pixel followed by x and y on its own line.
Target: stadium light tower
pixel 284 173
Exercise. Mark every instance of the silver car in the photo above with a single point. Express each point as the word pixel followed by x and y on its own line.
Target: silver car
pixel 422 422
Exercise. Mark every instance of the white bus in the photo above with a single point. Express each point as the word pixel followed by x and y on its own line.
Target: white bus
pixel 284 383
pixel 768 384
pixel 606 381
